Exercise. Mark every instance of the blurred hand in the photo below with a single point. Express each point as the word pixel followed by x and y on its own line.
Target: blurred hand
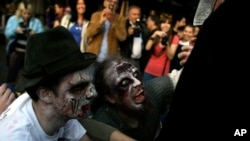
pixel 31 32
pixel 130 30
pixel 103 17
pixel 19 30
pixel 160 34
pixel 6 97
pixel 185 53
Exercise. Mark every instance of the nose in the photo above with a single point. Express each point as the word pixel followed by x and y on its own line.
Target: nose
pixel 136 82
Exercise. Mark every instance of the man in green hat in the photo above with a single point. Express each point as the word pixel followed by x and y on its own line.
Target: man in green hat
pixel 57 88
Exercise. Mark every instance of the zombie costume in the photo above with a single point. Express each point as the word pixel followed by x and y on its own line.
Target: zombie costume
pixel 21 119
pixel 158 92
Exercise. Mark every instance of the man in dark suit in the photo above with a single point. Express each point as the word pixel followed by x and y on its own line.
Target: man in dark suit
pixel 134 44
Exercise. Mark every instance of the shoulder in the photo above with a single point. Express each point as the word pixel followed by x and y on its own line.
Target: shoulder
pixel 160 85
pixel 13 18
pixel 96 14
pixel 107 115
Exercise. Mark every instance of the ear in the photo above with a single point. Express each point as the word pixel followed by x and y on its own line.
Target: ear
pixel 45 95
pixel 110 99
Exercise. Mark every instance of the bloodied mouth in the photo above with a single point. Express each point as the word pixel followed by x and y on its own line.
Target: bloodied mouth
pixel 85 110
pixel 139 97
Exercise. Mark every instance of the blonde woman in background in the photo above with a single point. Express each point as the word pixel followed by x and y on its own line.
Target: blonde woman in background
pixel 18 28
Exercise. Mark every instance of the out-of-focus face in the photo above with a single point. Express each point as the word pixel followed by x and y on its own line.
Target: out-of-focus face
pixel 80 7
pixel 26 14
pixel 182 22
pixel 134 14
pixel 188 33
pixel 114 3
pixel 165 26
pixel 58 9
pixel 126 85
pixel 74 94
pixel 150 23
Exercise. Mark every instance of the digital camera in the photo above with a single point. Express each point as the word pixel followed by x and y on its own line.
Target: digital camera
pixel 111 7
pixel 164 40
pixel 137 28
pixel 26 30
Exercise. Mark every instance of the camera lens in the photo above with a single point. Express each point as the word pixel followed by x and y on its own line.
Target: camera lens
pixel 111 7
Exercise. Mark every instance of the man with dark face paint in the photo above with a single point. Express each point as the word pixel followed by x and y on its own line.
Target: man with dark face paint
pixel 128 104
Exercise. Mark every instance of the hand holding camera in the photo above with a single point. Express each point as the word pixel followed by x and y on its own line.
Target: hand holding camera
pixel 161 37
pixel 137 28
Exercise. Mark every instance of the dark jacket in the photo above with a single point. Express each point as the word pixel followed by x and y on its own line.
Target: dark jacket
pixel 211 97
pixel 127 45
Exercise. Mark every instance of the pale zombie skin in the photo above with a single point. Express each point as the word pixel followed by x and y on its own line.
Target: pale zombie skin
pixel 125 82
pixel 75 93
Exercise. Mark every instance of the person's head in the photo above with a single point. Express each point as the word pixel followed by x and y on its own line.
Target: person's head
pixel 180 30
pixel 153 22
pixel 59 7
pixel 112 4
pixel 24 10
pixel 134 13
pixel 55 73
pixel 165 22
pixel 188 33
pixel 180 20
pixel 78 8
pixel 119 83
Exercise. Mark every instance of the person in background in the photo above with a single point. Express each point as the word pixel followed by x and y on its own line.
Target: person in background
pixel 187 40
pixel 18 28
pixel 76 23
pixel 60 11
pixel 178 21
pixel 153 23
pixel 136 36
pixel 106 29
pixel 159 63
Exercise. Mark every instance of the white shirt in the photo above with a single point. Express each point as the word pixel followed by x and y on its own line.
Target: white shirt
pixel 103 54
pixel 137 46
pixel 19 123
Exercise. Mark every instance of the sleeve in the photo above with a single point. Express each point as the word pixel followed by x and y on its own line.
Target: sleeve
pixel 10 30
pixel 119 28
pixel 38 27
pixel 175 40
pixel 98 131
pixel 94 26
pixel 161 89
pixel 73 130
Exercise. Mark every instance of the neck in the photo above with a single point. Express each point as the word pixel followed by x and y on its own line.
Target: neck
pixel 48 119
pixel 131 121
pixel 80 19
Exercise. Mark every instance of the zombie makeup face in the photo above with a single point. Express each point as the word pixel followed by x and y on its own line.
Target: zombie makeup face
pixel 74 94
pixel 125 82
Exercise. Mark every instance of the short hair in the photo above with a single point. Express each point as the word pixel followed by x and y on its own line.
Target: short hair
pixel 134 7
